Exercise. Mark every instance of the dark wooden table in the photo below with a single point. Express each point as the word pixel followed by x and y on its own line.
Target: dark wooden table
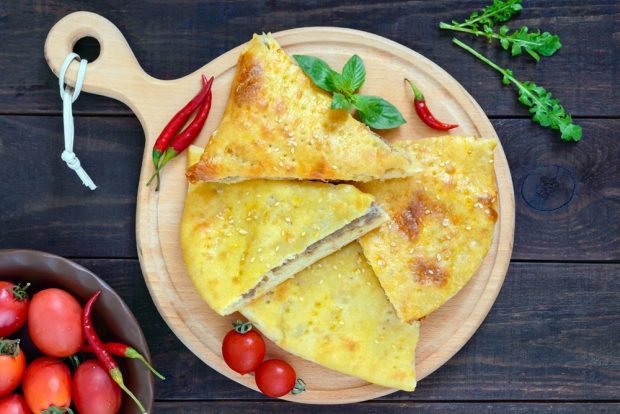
pixel 551 342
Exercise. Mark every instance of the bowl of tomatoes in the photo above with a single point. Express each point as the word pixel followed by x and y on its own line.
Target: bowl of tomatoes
pixel 66 339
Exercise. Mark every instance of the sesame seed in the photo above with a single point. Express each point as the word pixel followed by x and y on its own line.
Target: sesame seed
pixel 438 256
pixel 380 262
pixel 252 259
pixel 277 248
pixel 445 222
pixel 303 233
pixel 288 219
pixel 467 228
pixel 242 231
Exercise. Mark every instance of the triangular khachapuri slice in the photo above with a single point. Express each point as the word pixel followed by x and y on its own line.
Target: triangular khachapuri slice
pixel 279 125
pixel 442 223
pixel 334 313
pixel 241 240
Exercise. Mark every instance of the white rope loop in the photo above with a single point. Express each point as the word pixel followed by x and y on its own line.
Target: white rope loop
pixel 68 96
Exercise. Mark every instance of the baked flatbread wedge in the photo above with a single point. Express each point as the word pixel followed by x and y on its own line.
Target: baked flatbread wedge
pixel 334 313
pixel 241 240
pixel 279 125
pixel 441 223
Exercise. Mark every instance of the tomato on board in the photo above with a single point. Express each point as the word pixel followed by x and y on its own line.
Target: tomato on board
pixel 55 323
pixel 14 404
pixel 47 383
pixel 275 378
pixel 12 366
pixel 13 307
pixel 93 391
pixel 243 348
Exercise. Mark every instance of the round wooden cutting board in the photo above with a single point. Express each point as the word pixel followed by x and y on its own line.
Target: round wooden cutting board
pixel 117 74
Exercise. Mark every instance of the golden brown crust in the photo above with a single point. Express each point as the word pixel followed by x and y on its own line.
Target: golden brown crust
pixel 442 223
pixel 279 125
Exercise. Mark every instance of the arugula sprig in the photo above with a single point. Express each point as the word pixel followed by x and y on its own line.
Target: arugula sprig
pixel 481 23
pixel 374 111
pixel 497 12
pixel 545 109
pixel 534 43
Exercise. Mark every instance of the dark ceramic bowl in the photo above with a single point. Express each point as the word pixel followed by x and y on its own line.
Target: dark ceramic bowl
pixel 112 318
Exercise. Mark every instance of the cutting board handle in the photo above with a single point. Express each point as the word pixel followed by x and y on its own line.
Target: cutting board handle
pixel 114 73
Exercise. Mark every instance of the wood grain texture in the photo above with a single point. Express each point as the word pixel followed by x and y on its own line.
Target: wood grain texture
pixel 117 74
pixel 55 213
pixel 553 334
pixel 173 40
pixel 386 408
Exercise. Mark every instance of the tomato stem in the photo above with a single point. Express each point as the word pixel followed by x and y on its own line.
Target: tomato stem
pixel 52 409
pixel 19 292
pixel 242 327
pixel 300 386
pixel 9 347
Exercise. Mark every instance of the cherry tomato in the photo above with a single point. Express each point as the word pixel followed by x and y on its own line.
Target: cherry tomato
pixel 13 307
pixel 55 323
pixel 14 404
pixel 47 383
pixel 93 391
pixel 243 348
pixel 12 366
pixel 275 378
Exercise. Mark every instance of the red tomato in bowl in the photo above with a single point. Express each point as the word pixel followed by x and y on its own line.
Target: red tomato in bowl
pixel 12 366
pixel 55 323
pixel 13 308
pixel 275 378
pixel 93 391
pixel 47 383
pixel 14 404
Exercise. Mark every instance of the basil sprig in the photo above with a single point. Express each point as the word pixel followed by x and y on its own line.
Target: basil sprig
pixel 374 111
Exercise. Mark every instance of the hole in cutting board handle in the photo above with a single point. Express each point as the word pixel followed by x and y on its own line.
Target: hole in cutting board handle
pixel 88 48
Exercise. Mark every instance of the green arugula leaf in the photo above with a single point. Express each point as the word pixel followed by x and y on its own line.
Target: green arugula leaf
pixel 545 109
pixel 318 70
pixel 376 112
pixel 340 102
pixel 354 74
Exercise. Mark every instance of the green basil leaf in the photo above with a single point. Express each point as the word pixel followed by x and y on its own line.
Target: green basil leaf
pixel 337 82
pixel 354 73
pixel 377 112
pixel 318 70
pixel 340 102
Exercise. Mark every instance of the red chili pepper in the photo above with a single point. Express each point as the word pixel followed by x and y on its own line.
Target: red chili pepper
pixel 177 121
pixel 122 350
pixel 101 353
pixel 187 136
pixel 424 113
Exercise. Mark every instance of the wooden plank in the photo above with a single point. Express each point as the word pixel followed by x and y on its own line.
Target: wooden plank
pixel 225 407
pixel 45 206
pixel 171 42
pixel 553 333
